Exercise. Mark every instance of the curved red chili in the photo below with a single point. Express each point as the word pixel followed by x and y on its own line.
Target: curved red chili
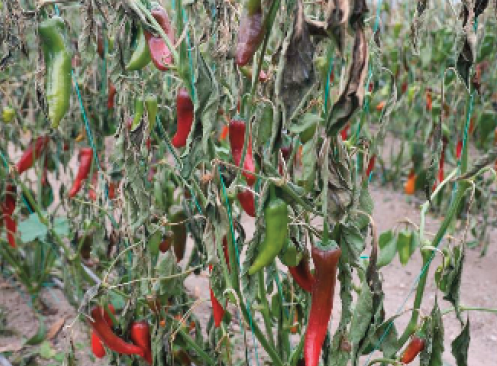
pixel 108 337
pixel 325 259
pixel 217 309
pixel 250 35
pixel 302 275
pixel 111 96
pixel 237 139
pixel 184 113
pixel 85 160
pixel 33 152
pixel 140 335
pixel 8 207
pixel 97 346
pixel 370 165
pixel 247 201
pixel 159 52
pixel 415 346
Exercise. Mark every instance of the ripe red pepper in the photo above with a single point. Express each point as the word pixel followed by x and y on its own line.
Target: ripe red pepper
pixel 108 337
pixel 429 100
pixel 184 112
pixel 85 160
pixel 217 309
pixel 415 346
pixel 325 259
pixel 237 139
pixel 159 52
pixel 111 96
pixel 459 149
pixel 140 335
pixel 247 201
pixel 251 32
pixel 404 87
pixel 345 131
pixel 32 153
pixel 8 207
pixel 302 275
pixel 97 346
pixel 370 165
pixel 224 133
pixel 442 162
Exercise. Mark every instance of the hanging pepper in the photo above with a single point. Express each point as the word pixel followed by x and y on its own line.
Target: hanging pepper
pixel 217 309
pixel 111 96
pixel 57 66
pixel 276 216
pixel 96 344
pixel 459 149
pixel 141 56
pixel 247 201
pixel 251 32
pixel 301 273
pixel 370 168
pixel 8 207
pixel 415 346
pixel 345 131
pixel 33 152
pixel 108 337
pixel 410 186
pixel 224 133
pixel 8 114
pixel 159 52
pixel 140 335
pixel 85 160
pixel 184 115
pixel 429 100
pixel 441 174
pixel 237 139
pixel 325 257
pixel 178 218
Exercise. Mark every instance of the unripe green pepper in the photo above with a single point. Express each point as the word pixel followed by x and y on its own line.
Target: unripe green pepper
pixel 178 218
pixel 8 114
pixel 152 107
pixel 141 56
pixel 58 68
pixel 276 216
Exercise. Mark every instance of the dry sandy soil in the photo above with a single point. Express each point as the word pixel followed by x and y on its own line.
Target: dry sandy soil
pixel 479 289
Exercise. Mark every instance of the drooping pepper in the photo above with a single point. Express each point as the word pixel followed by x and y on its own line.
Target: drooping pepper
pixel 159 52
pixel 301 273
pixel 459 149
pixel 8 207
pixel 217 309
pixel 85 160
pixel 141 56
pixel 325 257
pixel 57 68
pixel 247 201
pixel 33 152
pixel 96 344
pixel 8 114
pixel 276 216
pixel 415 346
pixel 111 96
pixel 140 335
pixel 370 165
pixel 184 115
pixel 410 186
pixel 345 131
pixel 178 218
pixel 108 337
pixel 237 139
pixel 250 33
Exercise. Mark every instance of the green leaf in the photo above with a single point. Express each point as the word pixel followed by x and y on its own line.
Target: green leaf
pixel 32 228
pixel 404 246
pixel 352 242
pixel 361 320
pixel 434 331
pixel 46 351
pixel 460 346
pixel 388 248
pixel 366 205
pixel 308 165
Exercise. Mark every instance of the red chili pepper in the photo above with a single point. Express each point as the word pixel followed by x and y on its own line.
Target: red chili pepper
pixel 224 133
pixel 159 52
pixel 441 163
pixel 415 346
pixel 108 337
pixel 325 259
pixel 32 153
pixel 85 160
pixel 345 132
pixel 8 207
pixel 429 100
pixel 140 335
pixel 97 346
pixel 237 139
pixel 404 87
pixel 184 112
pixel 250 35
pixel 217 309
pixel 459 149
pixel 302 275
pixel 111 96
pixel 247 201
pixel 370 165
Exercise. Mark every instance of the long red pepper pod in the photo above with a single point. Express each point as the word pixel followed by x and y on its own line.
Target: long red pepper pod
pixel 32 153
pixel 250 35
pixel 459 149
pixel 184 114
pixel 140 335
pixel 8 207
pixel 159 52
pixel 111 96
pixel 97 346
pixel 237 139
pixel 370 165
pixel 301 273
pixel 325 257
pixel 85 160
pixel 247 201
pixel 217 309
pixel 108 337
pixel 415 346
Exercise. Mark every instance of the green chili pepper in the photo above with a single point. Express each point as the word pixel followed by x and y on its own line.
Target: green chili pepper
pixel 178 218
pixel 58 68
pixel 276 216
pixel 138 114
pixel 141 56
pixel 152 107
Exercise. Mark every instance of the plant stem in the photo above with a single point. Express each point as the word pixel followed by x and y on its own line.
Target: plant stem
pixel 193 345
pixel 265 308
pixel 470 308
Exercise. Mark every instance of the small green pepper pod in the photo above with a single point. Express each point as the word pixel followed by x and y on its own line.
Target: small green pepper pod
pixel 141 56
pixel 57 66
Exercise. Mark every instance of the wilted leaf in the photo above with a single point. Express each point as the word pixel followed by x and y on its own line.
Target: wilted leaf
pixel 55 328
pixel 434 331
pixel 460 346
